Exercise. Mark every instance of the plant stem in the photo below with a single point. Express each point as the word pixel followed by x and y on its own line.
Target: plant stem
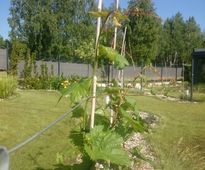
pixel 85 116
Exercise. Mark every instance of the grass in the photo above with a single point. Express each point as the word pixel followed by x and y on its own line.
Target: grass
pixel 180 123
pixel 8 85
pixel 179 92
pixel 27 113
pixel 174 141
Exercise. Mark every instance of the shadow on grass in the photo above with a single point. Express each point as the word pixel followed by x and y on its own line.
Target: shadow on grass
pixel 77 139
pixel 87 164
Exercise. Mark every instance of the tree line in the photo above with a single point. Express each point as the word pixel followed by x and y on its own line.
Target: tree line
pixel 64 29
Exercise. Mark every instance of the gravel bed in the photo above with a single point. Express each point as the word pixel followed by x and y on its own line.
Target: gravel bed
pixel 137 142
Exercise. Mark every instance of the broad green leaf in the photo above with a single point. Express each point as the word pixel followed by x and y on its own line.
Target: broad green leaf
pixel 137 125
pixel 130 103
pixel 99 111
pixel 79 112
pixel 112 90
pixel 78 90
pixel 106 145
pixel 119 61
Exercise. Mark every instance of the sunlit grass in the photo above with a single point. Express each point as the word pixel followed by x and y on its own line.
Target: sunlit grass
pixel 178 121
pixel 27 113
pixel 8 85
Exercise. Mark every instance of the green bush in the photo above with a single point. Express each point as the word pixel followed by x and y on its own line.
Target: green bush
pixel 36 83
pixel 47 82
pixel 8 85
pixel 200 88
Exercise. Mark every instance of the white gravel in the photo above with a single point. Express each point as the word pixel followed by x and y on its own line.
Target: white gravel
pixel 138 141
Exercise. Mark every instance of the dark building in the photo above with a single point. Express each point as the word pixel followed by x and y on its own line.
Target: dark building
pixel 198 66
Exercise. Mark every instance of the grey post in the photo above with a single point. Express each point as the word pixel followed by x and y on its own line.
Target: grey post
pixel 4 158
pixel 192 78
pixel 7 56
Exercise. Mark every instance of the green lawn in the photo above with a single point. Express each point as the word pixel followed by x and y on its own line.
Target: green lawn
pixel 29 111
pixel 181 129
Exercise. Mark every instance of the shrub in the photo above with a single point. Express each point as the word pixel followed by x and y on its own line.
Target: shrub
pixel 48 83
pixel 200 88
pixel 35 83
pixel 8 85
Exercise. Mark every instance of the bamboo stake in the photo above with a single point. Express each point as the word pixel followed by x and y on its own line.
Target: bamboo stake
pixel 115 32
pixel 114 47
pixel 121 72
pixel 92 118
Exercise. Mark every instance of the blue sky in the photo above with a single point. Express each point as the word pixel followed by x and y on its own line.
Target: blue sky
pixel 164 8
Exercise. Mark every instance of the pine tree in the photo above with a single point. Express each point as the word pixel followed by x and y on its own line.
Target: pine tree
pixel 143 31
pixel 179 38
pixel 2 42
pixel 193 38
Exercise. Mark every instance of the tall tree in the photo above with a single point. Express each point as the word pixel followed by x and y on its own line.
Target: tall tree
pixel 143 30
pixel 178 38
pixel 51 28
pixel 193 38
pixel 2 42
pixel 173 38
pixel 165 47
pixel 203 37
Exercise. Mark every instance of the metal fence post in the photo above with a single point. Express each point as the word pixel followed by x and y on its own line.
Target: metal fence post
pixel 7 57
pixel 4 158
pixel 176 73
pixel 59 70
pixel 88 73
pixel 192 79
pixel 162 73
pixel 141 77
pixel 108 78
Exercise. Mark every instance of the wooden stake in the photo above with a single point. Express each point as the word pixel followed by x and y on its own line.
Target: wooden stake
pixel 92 117
pixel 114 47
pixel 121 72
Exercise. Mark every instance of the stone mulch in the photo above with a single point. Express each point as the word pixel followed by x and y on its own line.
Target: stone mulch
pixel 138 142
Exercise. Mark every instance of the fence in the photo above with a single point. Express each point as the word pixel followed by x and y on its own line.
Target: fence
pixel 83 70
pixel 3 60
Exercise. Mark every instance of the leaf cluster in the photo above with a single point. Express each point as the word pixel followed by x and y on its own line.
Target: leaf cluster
pixel 78 90
pixel 101 144
pixel 125 111
pixel 113 56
